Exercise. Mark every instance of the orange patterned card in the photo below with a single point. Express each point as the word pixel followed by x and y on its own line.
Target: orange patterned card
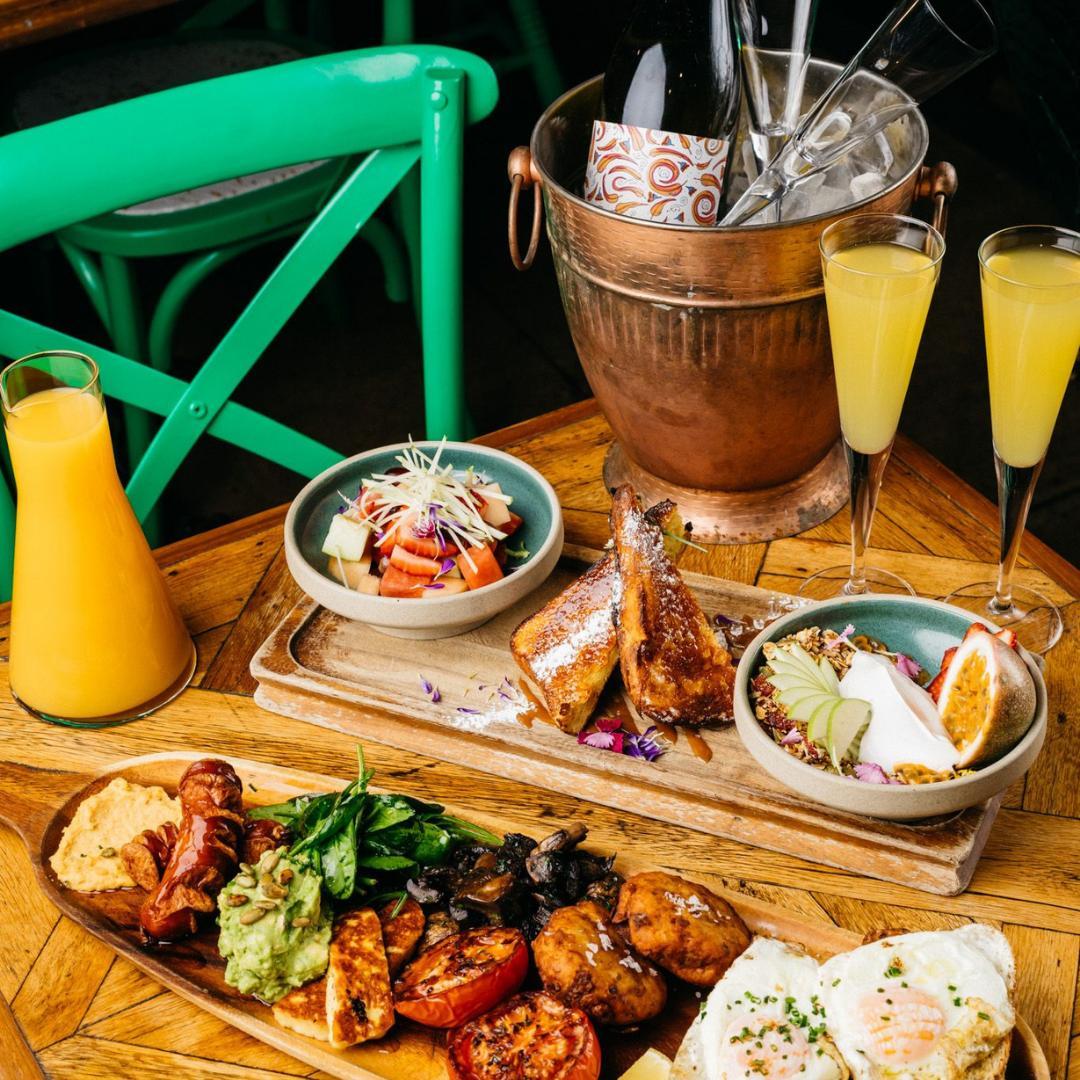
pixel 655 175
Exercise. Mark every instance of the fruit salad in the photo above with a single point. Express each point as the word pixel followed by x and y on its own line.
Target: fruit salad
pixel 423 530
pixel 846 703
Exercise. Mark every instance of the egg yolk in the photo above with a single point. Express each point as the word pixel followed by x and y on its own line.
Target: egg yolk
pixel 902 1026
pixel 762 1046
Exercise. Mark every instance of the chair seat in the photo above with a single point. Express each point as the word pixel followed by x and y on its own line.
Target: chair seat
pixel 94 80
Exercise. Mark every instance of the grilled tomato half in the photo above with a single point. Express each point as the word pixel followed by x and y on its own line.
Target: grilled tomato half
pixel 532 1036
pixel 463 976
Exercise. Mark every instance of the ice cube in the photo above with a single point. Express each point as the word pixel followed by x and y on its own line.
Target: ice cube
pixel 865 185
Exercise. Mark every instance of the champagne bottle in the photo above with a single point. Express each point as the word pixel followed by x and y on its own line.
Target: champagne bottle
pixel 660 148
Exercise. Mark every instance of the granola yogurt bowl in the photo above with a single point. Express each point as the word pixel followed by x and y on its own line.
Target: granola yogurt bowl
pixel 903 632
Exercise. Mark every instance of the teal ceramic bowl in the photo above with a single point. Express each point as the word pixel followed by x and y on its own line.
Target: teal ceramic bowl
pixel 923 629
pixel 541 533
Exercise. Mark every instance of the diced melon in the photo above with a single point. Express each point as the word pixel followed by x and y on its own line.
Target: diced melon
pixel 353 575
pixel 451 586
pixel 346 539
pixel 495 511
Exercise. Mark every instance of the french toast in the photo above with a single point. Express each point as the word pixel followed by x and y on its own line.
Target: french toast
pixel 673 667
pixel 569 648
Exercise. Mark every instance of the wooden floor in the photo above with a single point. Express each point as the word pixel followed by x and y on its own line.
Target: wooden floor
pixel 88 1016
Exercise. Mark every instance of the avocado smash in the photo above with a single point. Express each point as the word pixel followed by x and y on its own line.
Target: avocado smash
pixel 275 932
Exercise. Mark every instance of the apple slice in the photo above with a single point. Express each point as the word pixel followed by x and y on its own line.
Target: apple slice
pixel 846 724
pixel 787 682
pixel 346 539
pixel 805 707
pixel 828 675
pixel 817 726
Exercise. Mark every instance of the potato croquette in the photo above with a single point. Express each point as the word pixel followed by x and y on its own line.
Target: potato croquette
pixel 585 961
pixel 682 927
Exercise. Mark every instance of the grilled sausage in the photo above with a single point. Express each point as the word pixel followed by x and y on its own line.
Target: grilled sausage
pixel 146 857
pixel 206 852
pixel 261 836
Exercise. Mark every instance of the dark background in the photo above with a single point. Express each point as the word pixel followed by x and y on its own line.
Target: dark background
pixel 352 378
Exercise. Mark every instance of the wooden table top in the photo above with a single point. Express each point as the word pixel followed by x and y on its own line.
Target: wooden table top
pixel 87 1015
pixel 25 21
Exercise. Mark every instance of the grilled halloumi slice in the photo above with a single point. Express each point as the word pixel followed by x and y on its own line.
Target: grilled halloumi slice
pixel 401 932
pixel 359 1001
pixel 303 1010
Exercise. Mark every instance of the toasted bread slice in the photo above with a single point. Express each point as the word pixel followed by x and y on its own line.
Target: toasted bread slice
pixel 569 648
pixel 359 1004
pixel 303 1010
pixel 401 932
pixel 673 667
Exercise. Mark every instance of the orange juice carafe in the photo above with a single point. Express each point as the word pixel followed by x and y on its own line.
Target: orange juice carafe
pixel 95 636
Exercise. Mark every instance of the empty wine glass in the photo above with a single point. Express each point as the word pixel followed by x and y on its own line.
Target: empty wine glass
pixel 1030 279
pixel 774 51
pixel 921 47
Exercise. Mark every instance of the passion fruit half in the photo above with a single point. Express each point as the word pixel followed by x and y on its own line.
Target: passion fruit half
pixel 987 700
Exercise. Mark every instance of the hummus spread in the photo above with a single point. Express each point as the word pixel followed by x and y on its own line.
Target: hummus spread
pixel 88 856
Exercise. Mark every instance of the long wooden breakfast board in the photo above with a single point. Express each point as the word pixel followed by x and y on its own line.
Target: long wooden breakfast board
pixel 194 969
pixel 324 669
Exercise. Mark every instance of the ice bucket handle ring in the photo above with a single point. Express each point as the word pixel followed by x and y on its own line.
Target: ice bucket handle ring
pixel 937 182
pixel 522 173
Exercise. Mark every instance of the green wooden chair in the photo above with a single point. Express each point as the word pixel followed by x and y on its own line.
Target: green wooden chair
pixel 395 106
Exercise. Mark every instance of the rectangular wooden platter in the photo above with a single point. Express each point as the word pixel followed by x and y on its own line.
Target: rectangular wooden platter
pixel 319 667
pixel 194 969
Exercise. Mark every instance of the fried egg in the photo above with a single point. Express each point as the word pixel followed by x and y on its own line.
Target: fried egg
pixel 920 1006
pixel 763 1019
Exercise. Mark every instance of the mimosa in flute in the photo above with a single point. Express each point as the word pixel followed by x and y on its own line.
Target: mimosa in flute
pixel 1031 317
pixel 95 637
pixel 880 271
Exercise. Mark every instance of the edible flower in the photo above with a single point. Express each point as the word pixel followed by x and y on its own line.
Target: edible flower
pixel 870 772
pixel 792 737
pixel 842 637
pixel 610 735
pixel 643 746
pixel 607 735
pixel 906 666
pixel 431 691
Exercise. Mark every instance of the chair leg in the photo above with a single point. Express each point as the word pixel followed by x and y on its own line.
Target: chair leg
pixel 440 264
pixel 126 328
pixel 407 216
pixel 125 322
pixel 393 257
pixel 529 21
pixel 7 540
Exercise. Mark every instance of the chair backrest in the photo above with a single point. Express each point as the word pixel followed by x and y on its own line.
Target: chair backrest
pixel 394 105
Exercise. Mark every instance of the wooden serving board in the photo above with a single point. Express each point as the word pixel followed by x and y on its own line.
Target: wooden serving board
pixel 193 968
pixel 324 669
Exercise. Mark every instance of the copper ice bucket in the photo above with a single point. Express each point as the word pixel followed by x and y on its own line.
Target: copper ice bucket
pixel 708 349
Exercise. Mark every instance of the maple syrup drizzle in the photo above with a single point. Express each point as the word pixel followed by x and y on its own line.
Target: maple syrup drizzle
pixel 700 747
pixel 666 731
pixel 536 710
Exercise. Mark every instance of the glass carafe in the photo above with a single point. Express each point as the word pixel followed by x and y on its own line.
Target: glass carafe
pixel 95 636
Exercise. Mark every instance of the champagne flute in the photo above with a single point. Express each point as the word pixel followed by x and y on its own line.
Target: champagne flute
pixel 920 47
pixel 1031 317
pixel 880 271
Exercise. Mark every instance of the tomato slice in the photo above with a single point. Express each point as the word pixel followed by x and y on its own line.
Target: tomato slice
pixel 533 1036
pixel 463 976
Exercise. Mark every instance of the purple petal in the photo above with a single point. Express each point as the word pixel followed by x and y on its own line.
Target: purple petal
pixel 425 685
pixel 870 772
pixel 844 635
pixel 600 740
pixel 446 566
pixel 468 712
pixel 435 585
pixel 792 737
pixel 907 666
pixel 722 620
pixel 436 697
pixel 643 746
